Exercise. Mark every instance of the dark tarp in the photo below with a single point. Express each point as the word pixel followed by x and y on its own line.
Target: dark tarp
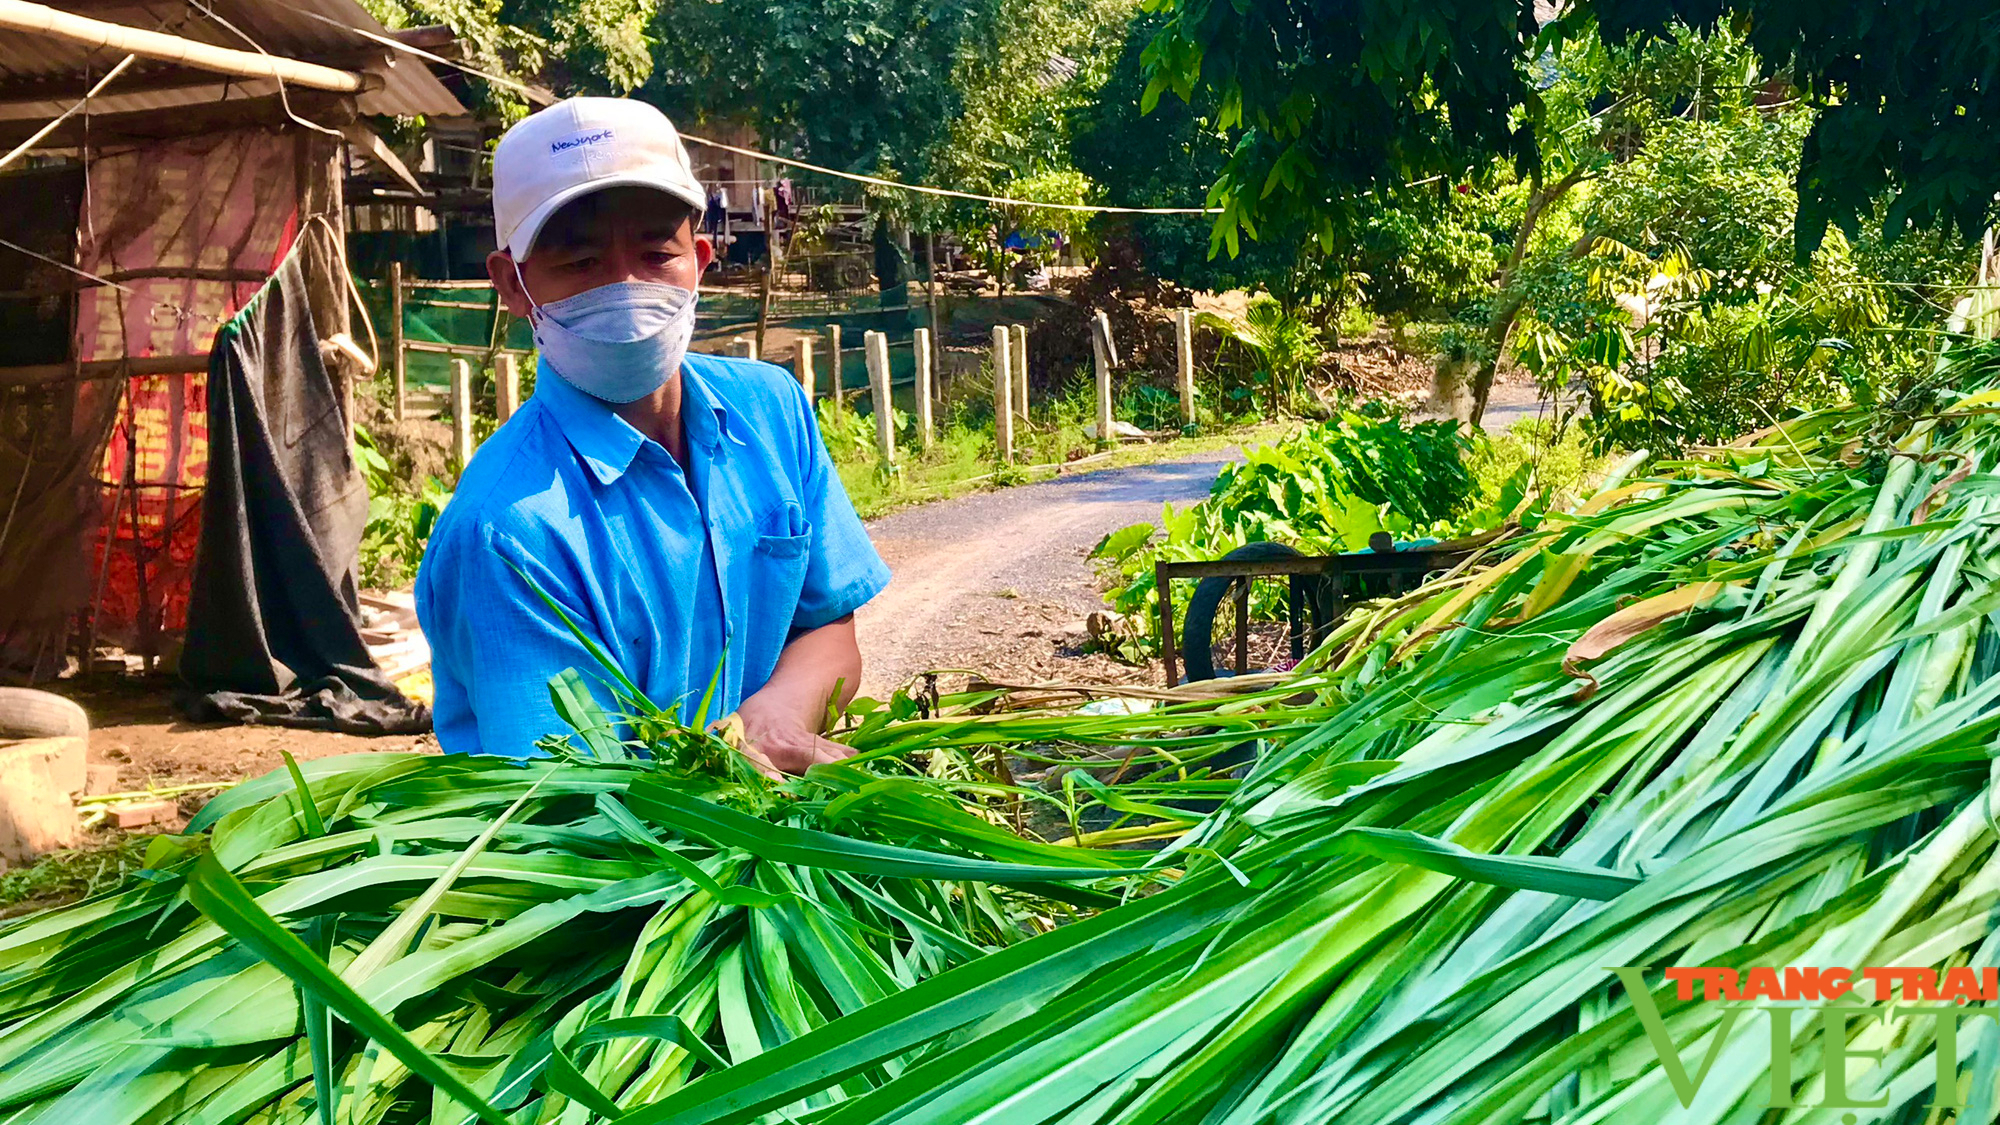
pixel 272 634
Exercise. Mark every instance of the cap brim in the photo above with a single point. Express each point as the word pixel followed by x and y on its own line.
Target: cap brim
pixel 522 241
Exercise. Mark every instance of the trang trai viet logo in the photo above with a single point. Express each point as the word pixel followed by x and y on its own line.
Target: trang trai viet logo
pixel 1836 1005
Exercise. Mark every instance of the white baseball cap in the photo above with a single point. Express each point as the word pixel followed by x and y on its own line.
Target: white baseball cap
pixel 578 146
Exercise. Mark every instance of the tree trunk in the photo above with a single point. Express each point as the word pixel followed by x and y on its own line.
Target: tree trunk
pixel 1508 310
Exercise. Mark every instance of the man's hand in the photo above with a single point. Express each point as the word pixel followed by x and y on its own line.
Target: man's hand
pixel 777 742
pixel 781 721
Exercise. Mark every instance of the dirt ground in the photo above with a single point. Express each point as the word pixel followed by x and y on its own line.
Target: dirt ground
pixel 135 729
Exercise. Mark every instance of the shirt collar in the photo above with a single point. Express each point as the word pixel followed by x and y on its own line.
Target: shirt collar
pixel 607 443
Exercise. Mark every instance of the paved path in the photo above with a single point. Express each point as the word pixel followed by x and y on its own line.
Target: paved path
pixel 1000 580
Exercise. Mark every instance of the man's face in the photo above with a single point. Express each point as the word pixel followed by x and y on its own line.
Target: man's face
pixel 618 234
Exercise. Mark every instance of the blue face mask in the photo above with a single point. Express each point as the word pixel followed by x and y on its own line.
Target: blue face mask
pixel 617 342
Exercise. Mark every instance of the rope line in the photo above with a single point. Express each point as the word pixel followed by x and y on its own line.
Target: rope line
pixel 45 130
pixel 538 95
pixel 180 313
pixel 949 192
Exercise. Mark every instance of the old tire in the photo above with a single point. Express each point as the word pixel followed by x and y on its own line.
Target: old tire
pixel 1197 636
pixel 26 713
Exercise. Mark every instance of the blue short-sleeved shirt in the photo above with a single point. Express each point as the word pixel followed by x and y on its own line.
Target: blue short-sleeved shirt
pixel 674 573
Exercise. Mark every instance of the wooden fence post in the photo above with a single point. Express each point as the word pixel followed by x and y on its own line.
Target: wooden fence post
pixel 875 349
pixel 1020 349
pixel 921 345
pixel 506 385
pixel 1184 347
pixel 461 413
pixel 804 366
pixel 1100 351
pixel 833 361
pixel 1003 395
pixel 398 370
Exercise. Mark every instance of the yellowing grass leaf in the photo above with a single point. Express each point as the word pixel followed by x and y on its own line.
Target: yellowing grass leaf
pixel 1631 621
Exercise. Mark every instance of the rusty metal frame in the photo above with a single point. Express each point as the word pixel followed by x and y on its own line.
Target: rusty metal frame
pixel 1404 570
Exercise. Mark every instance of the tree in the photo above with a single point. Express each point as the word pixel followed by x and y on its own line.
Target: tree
pixel 1366 94
pixel 860 85
pixel 1018 84
pixel 573 46
pixel 1166 158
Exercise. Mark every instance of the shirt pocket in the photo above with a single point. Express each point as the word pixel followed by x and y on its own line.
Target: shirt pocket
pixel 777 580
pixel 785 534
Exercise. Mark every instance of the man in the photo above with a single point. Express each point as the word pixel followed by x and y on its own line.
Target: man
pixel 680 508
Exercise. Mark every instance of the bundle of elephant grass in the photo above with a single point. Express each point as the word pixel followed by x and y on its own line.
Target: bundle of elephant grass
pixel 1739 713
pixel 416 938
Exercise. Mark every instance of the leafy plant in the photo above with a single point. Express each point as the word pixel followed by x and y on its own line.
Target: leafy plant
pixel 399 520
pixel 1283 345
pixel 1322 490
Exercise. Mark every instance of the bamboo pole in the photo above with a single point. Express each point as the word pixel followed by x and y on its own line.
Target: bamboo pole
pixel 875 348
pixel 40 19
pixel 399 367
pixel 1003 395
pixel 921 346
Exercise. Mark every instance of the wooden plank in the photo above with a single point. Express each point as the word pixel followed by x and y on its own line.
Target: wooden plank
pixel 833 361
pixel 458 349
pixel 1184 352
pixel 461 413
pixel 42 374
pixel 506 386
pixel 875 347
pixel 1100 354
pixel 1020 350
pixel 802 365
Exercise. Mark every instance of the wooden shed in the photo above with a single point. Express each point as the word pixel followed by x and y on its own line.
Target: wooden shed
pixel 158 160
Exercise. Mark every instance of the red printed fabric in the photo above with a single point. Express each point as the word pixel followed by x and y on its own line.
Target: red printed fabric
pixel 223 204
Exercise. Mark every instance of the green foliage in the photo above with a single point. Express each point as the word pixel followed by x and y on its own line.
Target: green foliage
pixel 400 518
pixel 1906 96
pixel 1368 95
pixel 1167 157
pixel 72 873
pixel 1422 257
pixel 1323 490
pixel 572 46
pixel 863 85
pixel 848 434
pixel 1019 82
pixel 1284 347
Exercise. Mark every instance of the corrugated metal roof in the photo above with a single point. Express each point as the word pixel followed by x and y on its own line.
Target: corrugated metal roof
pixel 282 27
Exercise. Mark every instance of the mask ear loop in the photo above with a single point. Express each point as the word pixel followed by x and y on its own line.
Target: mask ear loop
pixel 534 307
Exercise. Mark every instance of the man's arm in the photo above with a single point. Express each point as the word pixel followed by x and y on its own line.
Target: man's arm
pixel 783 719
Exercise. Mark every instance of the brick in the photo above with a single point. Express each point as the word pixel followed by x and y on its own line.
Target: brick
pixel 142 813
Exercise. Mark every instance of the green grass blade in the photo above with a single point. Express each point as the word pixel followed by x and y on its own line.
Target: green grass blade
pixel 217 894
